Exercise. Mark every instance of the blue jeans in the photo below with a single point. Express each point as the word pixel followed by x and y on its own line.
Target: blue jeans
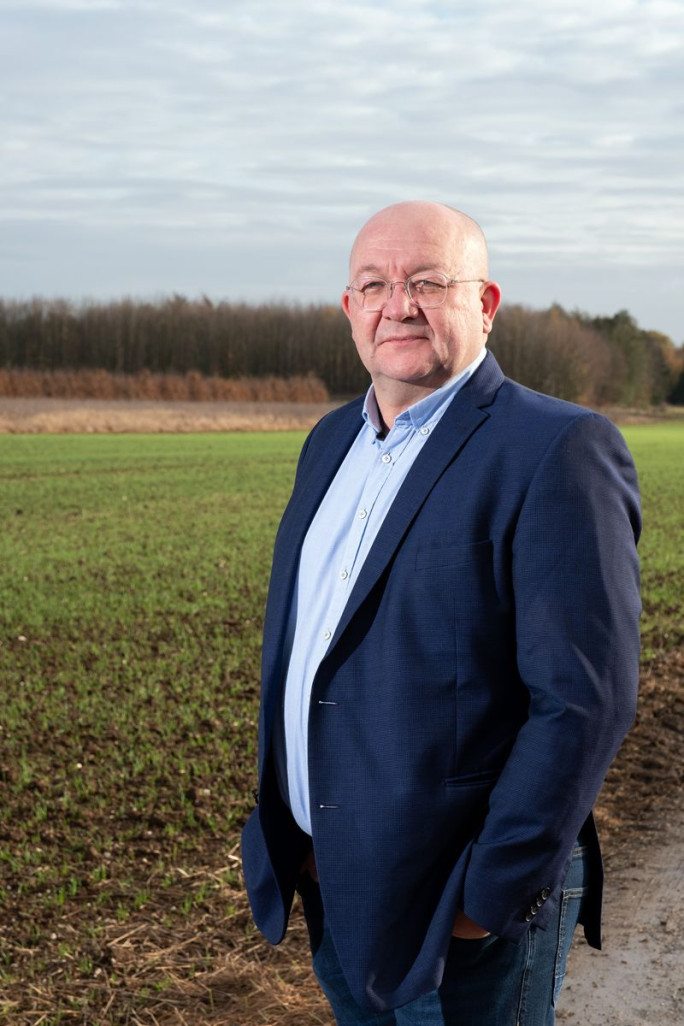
pixel 488 982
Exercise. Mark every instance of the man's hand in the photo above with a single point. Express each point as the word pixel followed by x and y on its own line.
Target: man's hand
pixel 466 929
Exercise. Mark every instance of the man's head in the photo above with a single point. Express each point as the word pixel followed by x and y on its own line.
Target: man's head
pixel 408 350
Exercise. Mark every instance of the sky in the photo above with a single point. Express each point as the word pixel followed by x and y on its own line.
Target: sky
pixel 233 149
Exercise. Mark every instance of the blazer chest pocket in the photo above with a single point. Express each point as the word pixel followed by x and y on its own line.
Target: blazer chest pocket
pixel 442 552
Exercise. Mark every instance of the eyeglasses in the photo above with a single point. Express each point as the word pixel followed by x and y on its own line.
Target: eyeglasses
pixel 425 290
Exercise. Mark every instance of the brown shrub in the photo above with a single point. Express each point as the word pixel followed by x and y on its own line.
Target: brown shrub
pixel 193 386
pixel 199 388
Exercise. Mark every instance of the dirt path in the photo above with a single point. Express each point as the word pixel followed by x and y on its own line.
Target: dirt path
pixel 638 979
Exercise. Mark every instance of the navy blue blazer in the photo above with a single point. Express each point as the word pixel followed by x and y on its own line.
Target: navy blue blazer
pixel 479 683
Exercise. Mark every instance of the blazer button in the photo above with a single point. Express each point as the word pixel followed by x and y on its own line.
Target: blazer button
pixel 545 893
pixel 528 917
pixel 540 901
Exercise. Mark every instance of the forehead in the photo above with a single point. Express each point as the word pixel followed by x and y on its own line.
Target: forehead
pixel 404 244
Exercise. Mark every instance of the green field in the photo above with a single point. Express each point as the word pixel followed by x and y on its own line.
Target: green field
pixel 658 450
pixel 132 581
pixel 133 574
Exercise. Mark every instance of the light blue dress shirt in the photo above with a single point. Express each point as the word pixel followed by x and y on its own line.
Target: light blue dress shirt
pixel 334 550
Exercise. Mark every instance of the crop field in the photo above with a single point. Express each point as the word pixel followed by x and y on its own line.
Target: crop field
pixel 658 450
pixel 133 575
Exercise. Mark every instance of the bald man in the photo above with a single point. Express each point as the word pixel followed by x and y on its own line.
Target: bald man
pixel 450 658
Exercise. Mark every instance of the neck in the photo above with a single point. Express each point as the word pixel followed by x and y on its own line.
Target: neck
pixel 392 402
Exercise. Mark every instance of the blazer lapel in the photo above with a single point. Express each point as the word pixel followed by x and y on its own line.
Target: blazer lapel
pixel 317 471
pixel 463 417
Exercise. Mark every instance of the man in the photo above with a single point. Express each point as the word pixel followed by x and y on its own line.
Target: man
pixel 450 658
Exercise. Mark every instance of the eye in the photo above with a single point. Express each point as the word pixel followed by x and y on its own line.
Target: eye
pixel 371 286
pixel 428 285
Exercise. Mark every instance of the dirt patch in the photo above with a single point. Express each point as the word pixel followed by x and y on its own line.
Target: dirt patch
pixel 649 769
pixel 190 954
pixel 638 979
pixel 95 416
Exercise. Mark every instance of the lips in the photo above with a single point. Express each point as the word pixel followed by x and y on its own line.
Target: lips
pixel 400 339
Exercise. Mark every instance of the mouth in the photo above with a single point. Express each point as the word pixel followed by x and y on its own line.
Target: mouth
pixel 401 339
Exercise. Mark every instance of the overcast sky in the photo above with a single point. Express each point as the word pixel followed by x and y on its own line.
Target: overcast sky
pixel 234 148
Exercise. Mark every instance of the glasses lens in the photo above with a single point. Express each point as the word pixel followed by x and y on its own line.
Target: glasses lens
pixel 428 289
pixel 370 293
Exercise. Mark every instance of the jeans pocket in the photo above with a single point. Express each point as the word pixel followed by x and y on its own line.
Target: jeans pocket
pixel 465 955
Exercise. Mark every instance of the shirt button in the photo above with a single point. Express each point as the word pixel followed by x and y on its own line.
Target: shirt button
pixel 363 514
pixel 327 635
pixel 386 458
pixel 425 431
pixel 343 575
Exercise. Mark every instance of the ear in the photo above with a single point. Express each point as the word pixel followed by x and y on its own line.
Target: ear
pixel 346 298
pixel 490 299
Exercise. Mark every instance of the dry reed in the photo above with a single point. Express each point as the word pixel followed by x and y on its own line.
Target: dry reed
pixel 139 416
pixel 191 387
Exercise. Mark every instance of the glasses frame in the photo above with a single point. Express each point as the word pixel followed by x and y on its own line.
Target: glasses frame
pixel 351 288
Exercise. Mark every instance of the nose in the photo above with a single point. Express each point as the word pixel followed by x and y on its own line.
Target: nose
pixel 399 305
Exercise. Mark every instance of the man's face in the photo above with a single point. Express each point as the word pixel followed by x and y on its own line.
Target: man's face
pixel 405 349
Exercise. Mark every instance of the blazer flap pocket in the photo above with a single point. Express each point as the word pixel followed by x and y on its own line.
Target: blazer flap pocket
pixel 472 779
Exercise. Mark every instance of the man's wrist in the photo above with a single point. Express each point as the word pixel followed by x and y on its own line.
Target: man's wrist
pixel 466 928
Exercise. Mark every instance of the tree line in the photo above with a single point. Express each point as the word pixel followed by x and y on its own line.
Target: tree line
pixel 592 360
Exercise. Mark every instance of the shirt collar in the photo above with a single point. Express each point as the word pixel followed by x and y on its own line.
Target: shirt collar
pixel 424 409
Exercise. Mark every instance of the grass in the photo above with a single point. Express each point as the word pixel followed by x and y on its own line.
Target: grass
pixel 133 575
pixel 131 596
pixel 658 451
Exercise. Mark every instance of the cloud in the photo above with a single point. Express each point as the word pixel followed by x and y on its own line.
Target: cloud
pixel 275 129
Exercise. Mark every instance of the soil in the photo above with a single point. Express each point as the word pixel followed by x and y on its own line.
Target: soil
pixel 638 977
pixel 210 968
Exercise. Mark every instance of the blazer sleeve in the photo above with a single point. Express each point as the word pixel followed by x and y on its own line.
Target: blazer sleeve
pixel 576 590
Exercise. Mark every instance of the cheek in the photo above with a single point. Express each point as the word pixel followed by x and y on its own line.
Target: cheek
pixel 364 347
pixel 363 333
pixel 452 331
pixel 441 330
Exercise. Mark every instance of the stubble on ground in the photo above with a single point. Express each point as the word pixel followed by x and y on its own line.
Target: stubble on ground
pixel 137 416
